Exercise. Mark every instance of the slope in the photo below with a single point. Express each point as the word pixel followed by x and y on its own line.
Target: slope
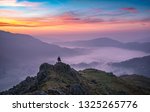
pixel 20 55
pixel 60 79
pixel 137 65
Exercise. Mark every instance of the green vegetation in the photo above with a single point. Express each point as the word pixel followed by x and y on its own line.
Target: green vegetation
pixel 61 79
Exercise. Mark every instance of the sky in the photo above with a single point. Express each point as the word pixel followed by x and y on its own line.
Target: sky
pixel 76 19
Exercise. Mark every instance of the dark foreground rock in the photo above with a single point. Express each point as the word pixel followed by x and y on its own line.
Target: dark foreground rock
pixel 61 79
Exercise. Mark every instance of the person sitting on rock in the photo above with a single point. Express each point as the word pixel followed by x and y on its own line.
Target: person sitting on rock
pixel 59 59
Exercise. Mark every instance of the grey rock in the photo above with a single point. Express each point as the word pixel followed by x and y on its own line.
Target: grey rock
pixel 77 89
pixel 40 92
pixel 55 92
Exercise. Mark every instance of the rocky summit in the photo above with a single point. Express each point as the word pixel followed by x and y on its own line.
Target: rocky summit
pixel 61 79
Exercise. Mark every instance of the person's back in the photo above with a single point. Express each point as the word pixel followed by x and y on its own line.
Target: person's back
pixel 59 59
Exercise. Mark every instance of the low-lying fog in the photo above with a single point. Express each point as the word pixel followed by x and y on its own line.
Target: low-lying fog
pixel 105 55
pixel 95 58
pixel 100 58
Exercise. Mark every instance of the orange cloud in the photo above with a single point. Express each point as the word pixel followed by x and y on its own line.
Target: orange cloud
pixel 47 29
pixel 15 22
pixel 68 22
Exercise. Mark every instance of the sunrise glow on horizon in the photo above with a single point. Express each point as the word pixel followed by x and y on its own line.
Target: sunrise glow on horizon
pixel 39 17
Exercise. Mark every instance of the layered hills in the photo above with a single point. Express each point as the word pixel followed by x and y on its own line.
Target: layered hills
pixel 108 42
pixel 21 46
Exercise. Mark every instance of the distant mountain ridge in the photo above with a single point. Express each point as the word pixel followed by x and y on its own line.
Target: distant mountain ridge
pixel 95 42
pixel 61 79
pixel 107 42
pixel 26 45
pixel 139 65
pixel 144 40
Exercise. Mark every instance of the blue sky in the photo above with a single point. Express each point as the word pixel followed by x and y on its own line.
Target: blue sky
pixel 107 7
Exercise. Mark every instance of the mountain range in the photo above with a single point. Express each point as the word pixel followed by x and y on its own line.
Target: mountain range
pixel 139 65
pixel 107 42
pixel 26 46
pixel 21 55
pixel 61 79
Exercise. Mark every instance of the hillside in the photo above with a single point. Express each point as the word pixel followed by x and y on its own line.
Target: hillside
pixel 61 79
pixel 20 55
pixel 108 42
pixel 26 46
pixel 137 65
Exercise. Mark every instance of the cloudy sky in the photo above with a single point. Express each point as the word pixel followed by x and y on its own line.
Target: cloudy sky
pixel 76 18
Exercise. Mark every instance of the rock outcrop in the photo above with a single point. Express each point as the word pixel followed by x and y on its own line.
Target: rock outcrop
pixel 61 79
pixel 58 79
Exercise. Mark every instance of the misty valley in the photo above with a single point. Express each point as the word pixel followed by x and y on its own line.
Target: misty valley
pixel 21 55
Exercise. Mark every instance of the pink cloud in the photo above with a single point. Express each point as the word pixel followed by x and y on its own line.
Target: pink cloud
pixel 25 3
pixel 8 13
pixel 148 10
pixel 68 16
pixel 130 9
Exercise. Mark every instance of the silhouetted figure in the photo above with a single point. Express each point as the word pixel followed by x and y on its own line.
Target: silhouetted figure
pixel 59 59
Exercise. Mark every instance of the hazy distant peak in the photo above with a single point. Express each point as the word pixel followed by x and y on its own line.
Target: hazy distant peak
pixel 105 39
